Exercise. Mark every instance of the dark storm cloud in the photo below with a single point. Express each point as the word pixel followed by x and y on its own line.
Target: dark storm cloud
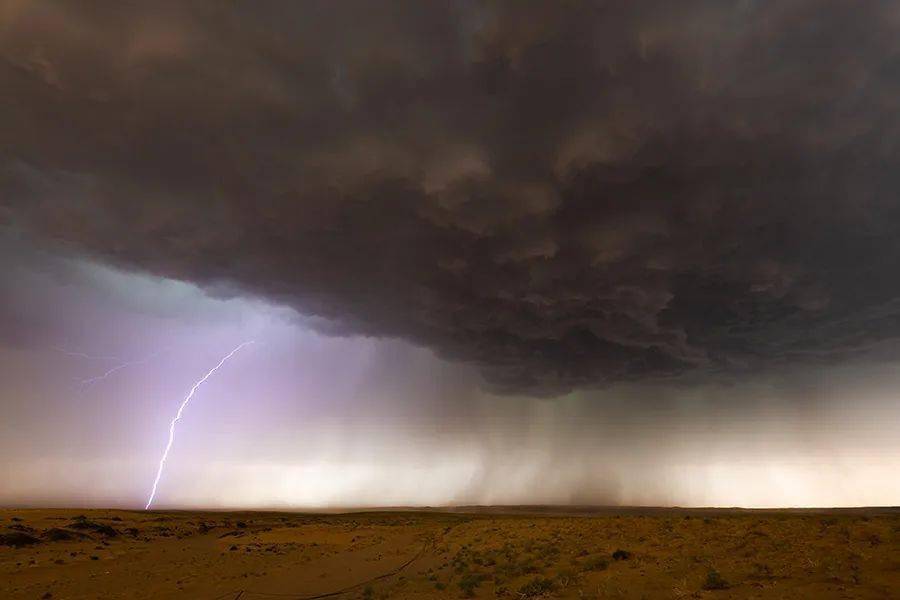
pixel 564 194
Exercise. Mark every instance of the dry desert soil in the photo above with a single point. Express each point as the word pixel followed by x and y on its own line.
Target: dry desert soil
pixel 475 553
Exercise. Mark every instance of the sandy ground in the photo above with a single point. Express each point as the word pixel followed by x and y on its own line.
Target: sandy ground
pixel 490 553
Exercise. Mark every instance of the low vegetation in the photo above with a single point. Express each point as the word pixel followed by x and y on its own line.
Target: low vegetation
pixel 450 556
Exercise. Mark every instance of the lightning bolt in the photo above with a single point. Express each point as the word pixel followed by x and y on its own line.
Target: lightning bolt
pixel 184 403
pixel 84 355
pixel 86 383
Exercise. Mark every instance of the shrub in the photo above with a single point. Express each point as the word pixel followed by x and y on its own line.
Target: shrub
pixel 81 522
pixel 57 534
pixel 595 563
pixel 17 539
pixel 468 583
pixel 621 554
pixel 715 581
pixel 566 576
pixel 538 586
pixel 762 570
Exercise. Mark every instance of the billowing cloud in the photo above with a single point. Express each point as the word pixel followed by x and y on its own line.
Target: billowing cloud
pixel 562 194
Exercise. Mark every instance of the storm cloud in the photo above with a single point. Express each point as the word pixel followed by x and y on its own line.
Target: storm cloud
pixel 563 195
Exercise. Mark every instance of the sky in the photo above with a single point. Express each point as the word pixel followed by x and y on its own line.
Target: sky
pixel 606 253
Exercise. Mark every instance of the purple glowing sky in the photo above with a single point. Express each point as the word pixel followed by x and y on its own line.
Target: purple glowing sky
pixel 305 420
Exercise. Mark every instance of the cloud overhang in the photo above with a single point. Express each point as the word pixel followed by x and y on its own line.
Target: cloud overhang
pixel 563 195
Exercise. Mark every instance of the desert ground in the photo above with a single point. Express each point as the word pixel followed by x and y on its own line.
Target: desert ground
pixel 476 553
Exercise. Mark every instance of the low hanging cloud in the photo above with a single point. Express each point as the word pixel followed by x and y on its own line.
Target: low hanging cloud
pixel 563 194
